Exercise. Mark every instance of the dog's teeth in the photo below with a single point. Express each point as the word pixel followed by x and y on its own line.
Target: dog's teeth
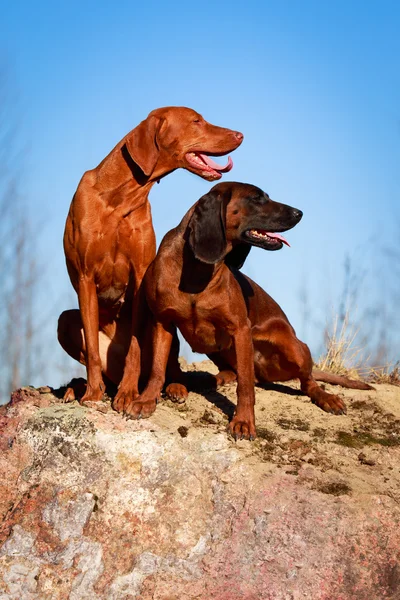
pixel 258 234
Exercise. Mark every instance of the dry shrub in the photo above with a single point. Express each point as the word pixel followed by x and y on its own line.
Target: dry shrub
pixel 387 374
pixel 341 355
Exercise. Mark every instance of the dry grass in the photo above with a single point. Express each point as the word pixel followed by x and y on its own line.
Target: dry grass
pixel 387 374
pixel 342 356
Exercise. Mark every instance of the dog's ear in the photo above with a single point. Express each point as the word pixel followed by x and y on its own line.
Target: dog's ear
pixel 237 257
pixel 207 228
pixel 141 144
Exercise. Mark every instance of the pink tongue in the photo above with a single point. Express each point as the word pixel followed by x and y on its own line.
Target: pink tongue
pixel 211 163
pixel 278 236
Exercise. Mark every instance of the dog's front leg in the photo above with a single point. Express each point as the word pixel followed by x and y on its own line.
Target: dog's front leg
pixel 242 425
pixel 176 389
pixel 89 308
pixel 128 389
pixel 145 404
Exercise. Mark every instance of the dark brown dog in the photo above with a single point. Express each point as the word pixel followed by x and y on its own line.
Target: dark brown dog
pixel 109 239
pixel 190 285
pixel 194 284
pixel 278 354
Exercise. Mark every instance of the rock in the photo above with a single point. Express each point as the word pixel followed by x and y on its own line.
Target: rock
pixel 183 431
pixel 44 389
pixel 211 417
pixel 99 405
pixel 97 507
pixel 366 461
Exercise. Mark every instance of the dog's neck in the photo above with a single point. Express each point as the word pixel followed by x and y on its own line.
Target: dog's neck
pixel 124 185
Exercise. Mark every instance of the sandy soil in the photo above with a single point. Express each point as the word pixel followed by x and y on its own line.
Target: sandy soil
pixel 357 452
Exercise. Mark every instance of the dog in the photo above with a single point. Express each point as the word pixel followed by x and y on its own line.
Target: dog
pixel 190 285
pixel 278 354
pixel 109 239
pixel 195 284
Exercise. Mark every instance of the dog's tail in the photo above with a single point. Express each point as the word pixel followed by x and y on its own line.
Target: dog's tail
pixel 354 384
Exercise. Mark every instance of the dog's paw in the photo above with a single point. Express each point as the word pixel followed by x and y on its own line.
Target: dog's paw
pixel 242 429
pixel 224 377
pixel 140 409
pixel 76 389
pixel 69 395
pixel 123 399
pixel 330 403
pixel 93 393
pixel 176 392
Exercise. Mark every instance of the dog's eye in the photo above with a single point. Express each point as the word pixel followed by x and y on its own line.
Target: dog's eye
pixel 196 121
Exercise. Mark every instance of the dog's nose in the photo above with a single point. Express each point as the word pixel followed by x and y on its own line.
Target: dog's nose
pixel 239 136
pixel 297 214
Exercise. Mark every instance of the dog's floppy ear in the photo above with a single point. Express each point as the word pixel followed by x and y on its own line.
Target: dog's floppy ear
pixel 207 228
pixel 141 144
pixel 237 256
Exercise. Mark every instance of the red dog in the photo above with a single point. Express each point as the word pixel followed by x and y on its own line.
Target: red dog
pixel 109 239
pixel 194 284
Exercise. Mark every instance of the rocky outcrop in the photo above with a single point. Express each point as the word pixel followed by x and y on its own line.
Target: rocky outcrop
pixel 97 507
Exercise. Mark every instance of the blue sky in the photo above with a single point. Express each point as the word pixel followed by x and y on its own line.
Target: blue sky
pixel 314 87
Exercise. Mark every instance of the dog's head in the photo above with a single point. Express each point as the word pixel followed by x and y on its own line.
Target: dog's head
pixel 232 217
pixel 174 137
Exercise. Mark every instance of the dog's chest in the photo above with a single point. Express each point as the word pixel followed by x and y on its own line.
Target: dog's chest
pixel 117 238
pixel 117 257
pixel 204 336
pixel 202 321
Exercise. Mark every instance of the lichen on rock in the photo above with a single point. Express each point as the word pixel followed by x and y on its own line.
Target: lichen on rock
pixel 95 506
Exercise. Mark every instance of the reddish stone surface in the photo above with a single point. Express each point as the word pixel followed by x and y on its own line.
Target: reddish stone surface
pixel 94 506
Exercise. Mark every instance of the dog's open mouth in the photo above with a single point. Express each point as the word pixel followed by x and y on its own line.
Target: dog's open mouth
pixel 265 239
pixel 206 166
